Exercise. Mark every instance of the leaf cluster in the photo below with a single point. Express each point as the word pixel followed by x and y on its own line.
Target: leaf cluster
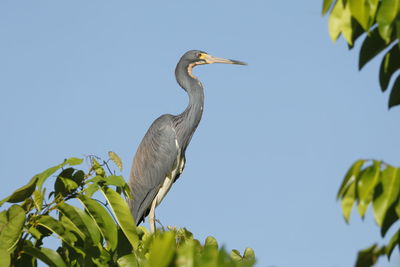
pixel 377 184
pixel 380 20
pixel 99 233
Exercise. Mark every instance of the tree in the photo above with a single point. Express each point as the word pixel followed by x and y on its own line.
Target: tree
pixel 378 23
pixel 100 233
pixel 371 182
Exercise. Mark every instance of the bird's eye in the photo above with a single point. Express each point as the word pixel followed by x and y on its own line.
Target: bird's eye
pixel 198 55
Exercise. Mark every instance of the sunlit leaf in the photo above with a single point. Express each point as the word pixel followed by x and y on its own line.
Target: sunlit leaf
pixel 162 250
pixel 326 5
pixel 122 214
pixel 116 159
pixel 46 255
pixel 235 255
pixel 335 20
pixel 72 161
pixel 366 185
pixel 91 189
pixel 390 179
pixel 348 201
pixel 115 180
pixel 350 177
pixel 103 221
pixel 11 223
pixel 211 241
pixel 98 168
pixel 186 254
pixel 340 22
pixel 5 259
pixel 249 254
pixel 360 11
pixel 387 12
pixel 127 261
pixel 38 199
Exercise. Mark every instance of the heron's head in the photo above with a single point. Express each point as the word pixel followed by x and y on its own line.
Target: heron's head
pixel 197 57
pixel 193 58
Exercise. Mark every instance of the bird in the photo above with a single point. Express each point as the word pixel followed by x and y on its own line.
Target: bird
pixel 160 157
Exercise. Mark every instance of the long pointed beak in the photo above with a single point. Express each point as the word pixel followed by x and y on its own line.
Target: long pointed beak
pixel 211 59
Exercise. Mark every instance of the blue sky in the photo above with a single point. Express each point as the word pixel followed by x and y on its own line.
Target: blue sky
pixel 276 138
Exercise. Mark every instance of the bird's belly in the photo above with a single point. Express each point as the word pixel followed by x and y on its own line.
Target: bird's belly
pixel 170 179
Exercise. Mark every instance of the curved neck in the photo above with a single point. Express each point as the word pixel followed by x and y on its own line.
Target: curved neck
pixel 188 120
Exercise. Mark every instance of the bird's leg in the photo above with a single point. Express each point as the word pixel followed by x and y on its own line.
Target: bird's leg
pixel 159 222
pixel 152 216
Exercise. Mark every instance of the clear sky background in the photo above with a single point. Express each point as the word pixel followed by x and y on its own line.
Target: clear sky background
pixel 276 138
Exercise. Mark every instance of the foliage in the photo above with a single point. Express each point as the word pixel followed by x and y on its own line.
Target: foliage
pixel 99 234
pixel 377 184
pixel 380 20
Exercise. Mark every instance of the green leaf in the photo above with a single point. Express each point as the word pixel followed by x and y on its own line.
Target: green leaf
pixel 398 209
pixel 366 185
pixel 72 161
pixel 46 174
pixel 186 254
pixel 326 5
pixel 38 199
pixel 83 221
pixel 360 11
pixel 116 159
pixel 389 65
pixel 103 221
pixel 211 241
pixel 127 261
pixel 5 259
pixel 21 193
pixel 395 240
pixel 48 256
pixel 348 201
pixel 249 254
pixel 350 177
pixel 369 256
pixel 97 168
pixel 373 44
pixel 122 214
pixel 235 255
pixel 387 12
pixel 335 21
pixel 340 22
pixel 357 32
pixel 394 98
pixel 11 224
pixel 115 180
pixel 391 218
pixel 71 227
pixel 78 177
pixel 162 250
pixel 91 189
pixel 390 179
pixel 58 228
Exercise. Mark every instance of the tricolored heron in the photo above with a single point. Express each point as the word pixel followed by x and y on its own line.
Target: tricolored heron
pixel 160 158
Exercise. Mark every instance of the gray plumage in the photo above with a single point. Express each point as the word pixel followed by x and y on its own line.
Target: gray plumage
pixel 160 158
